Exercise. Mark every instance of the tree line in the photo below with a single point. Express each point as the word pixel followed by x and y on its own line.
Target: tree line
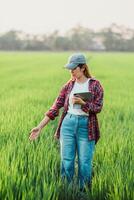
pixel 112 38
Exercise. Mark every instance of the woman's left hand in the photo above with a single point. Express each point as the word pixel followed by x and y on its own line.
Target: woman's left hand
pixel 78 100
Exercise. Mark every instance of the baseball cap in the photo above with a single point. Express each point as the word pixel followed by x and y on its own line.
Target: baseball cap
pixel 74 60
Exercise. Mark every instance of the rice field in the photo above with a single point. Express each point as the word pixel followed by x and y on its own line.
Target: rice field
pixel 29 84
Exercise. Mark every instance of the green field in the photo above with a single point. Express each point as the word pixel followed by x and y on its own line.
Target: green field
pixel 29 84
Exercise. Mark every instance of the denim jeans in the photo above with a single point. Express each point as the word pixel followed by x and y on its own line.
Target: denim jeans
pixel 74 139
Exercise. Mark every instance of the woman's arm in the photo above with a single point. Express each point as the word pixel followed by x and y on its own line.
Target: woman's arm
pixel 50 114
pixel 44 122
pixel 34 133
pixel 96 104
pixel 58 103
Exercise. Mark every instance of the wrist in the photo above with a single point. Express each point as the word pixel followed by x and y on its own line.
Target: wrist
pixel 83 103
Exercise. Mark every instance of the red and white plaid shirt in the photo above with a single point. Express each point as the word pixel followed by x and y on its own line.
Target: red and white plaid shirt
pixel 92 107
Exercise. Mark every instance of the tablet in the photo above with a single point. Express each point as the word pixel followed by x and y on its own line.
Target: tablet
pixel 84 95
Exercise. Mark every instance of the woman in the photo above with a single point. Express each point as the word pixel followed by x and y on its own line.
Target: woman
pixel 78 128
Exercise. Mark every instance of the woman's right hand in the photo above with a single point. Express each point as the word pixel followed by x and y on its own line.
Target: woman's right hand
pixel 34 133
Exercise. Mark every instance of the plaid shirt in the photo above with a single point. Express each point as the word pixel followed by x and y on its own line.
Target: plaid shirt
pixel 92 107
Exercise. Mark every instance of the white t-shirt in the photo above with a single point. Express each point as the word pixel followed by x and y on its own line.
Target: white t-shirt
pixel 78 87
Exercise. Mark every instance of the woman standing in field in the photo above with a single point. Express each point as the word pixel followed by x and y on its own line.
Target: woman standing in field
pixel 78 128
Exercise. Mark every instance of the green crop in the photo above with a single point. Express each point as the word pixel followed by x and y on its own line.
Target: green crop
pixel 29 84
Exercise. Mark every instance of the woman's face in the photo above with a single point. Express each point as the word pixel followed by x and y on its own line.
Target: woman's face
pixel 77 72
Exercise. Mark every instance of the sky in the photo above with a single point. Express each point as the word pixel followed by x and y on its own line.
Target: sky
pixel 45 16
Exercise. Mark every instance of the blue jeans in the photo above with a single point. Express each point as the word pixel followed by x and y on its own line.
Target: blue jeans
pixel 74 139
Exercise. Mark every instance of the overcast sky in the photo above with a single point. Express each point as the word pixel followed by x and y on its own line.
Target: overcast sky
pixel 38 16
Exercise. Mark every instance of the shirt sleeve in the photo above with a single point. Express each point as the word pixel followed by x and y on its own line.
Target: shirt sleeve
pixel 58 103
pixel 95 105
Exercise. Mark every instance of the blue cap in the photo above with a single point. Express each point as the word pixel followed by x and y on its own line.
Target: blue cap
pixel 74 60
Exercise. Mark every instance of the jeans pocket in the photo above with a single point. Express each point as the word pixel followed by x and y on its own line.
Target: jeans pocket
pixel 84 122
pixel 65 120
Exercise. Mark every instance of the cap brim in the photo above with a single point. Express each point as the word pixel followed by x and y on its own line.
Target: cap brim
pixel 70 66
